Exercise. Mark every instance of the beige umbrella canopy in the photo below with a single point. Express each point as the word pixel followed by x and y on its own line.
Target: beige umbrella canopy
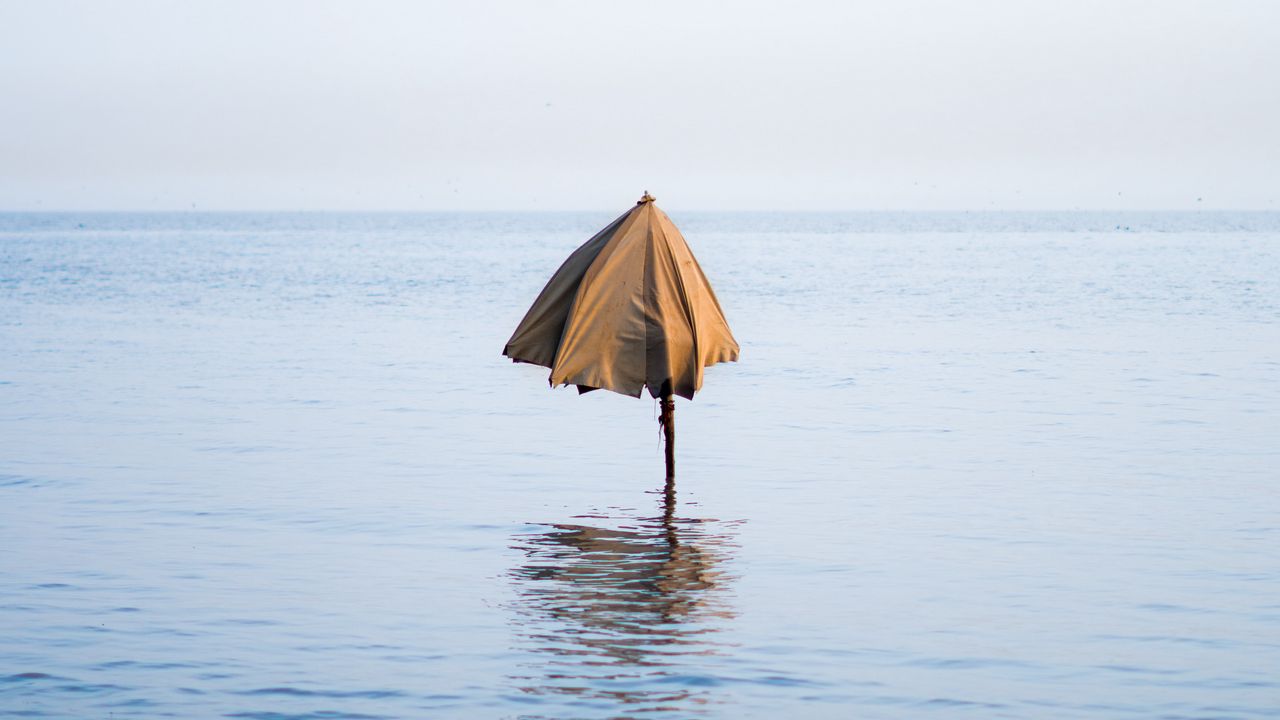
pixel 628 310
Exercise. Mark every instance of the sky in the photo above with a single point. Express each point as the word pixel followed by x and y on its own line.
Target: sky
pixel 799 105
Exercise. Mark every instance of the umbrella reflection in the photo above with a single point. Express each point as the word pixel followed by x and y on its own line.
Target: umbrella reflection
pixel 619 611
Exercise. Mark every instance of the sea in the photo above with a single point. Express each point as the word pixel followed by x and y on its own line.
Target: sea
pixel 969 465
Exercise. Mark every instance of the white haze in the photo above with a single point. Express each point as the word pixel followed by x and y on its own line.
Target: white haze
pixel 522 105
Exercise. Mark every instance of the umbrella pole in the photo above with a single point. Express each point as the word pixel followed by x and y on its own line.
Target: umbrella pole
pixel 668 421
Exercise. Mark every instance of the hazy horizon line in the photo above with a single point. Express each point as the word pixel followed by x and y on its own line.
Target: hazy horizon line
pixel 405 211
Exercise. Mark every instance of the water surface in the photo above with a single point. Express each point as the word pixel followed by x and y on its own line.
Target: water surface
pixel 971 465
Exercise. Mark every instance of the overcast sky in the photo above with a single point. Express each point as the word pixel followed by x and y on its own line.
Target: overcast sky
pixel 558 105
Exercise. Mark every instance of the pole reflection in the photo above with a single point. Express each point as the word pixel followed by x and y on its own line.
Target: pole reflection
pixel 619 614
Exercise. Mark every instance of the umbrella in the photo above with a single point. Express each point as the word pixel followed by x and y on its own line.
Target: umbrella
pixel 629 310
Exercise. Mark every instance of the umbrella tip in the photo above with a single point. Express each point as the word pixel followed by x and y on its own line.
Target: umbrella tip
pixel 646 199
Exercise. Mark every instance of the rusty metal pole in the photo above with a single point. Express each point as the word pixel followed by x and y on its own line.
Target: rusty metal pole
pixel 668 421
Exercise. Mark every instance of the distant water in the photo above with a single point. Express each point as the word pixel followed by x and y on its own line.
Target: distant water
pixel 971 465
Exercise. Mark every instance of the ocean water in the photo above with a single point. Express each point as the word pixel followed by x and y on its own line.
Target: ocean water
pixel 273 466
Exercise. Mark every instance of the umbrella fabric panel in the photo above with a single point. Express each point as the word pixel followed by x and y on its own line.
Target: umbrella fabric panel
pixel 690 328
pixel 671 343
pixel 537 338
pixel 603 345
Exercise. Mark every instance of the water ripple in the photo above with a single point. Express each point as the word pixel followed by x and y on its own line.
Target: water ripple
pixel 614 612
pixel 303 692
pixel 315 715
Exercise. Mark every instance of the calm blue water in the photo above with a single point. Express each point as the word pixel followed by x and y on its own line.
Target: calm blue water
pixel 970 466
